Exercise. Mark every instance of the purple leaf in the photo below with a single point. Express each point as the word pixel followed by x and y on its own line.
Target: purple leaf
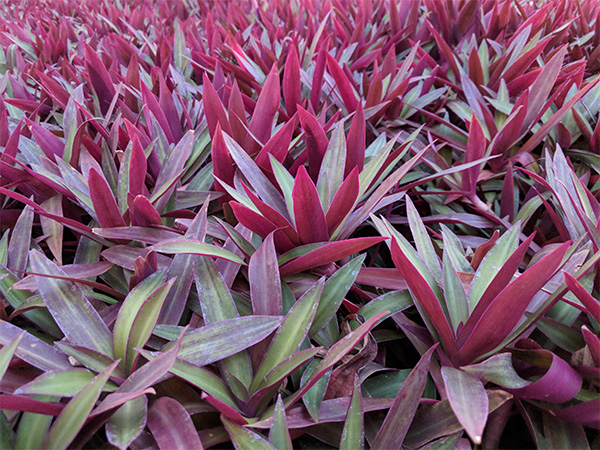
pixel 265 285
pixel 172 426
pixel 73 313
pixel 401 413
pixel 559 384
pixel 468 400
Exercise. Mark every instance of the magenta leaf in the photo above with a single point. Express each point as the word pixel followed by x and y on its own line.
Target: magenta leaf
pixel 308 212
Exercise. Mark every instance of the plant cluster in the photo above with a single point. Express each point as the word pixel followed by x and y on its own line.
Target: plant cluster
pixel 299 224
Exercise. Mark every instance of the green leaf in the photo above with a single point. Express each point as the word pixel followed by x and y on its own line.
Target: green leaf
pixel 9 438
pixel 214 342
pixel 177 246
pixel 7 352
pixel 292 332
pixel 217 305
pixel 314 396
pixel 334 291
pixel 489 267
pixel 393 302
pixel 423 241
pixel 331 174
pixel 279 435
pixel 34 427
pixel 128 314
pixel 73 416
pixel 353 434
pixel 454 293
pixel 62 383
pixel 127 422
pixel 499 370
pixel 245 439
pixel 201 378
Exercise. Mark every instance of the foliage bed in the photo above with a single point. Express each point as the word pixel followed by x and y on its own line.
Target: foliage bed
pixel 300 224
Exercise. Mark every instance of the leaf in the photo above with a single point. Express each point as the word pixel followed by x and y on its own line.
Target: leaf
pixel 75 316
pixel 334 291
pixel 494 260
pixel 343 202
pixel 245 439
pixel 425 296
pixel 172 426
pixel 257 179
pixel 213 342
pixel 436 420
pixel 310 219
pixel 194 247
pixel 353 434
pixel 73 416
pixel 61 383
pixel 264 113
pixel 129 312
pixel 217 305
pixel 292 89
pixel 103 200
pixel 292 332
pixel 543 131
pixel 7 352
pixel 20 241
pixel 499 370
pixel 508 307
pixel 316 141
pixel 423 241
pixel 127 422
pixel 590 303
pixel 355 148
pixel 468 400
pixel 279 435
pixel 214 110
pixel 559 384
pixel 336 353
pixel 401 414
pixel 265 284
pixel 328 253
pixel 343 84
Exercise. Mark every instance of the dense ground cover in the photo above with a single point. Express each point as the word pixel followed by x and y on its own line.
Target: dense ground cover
pixel 300 224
